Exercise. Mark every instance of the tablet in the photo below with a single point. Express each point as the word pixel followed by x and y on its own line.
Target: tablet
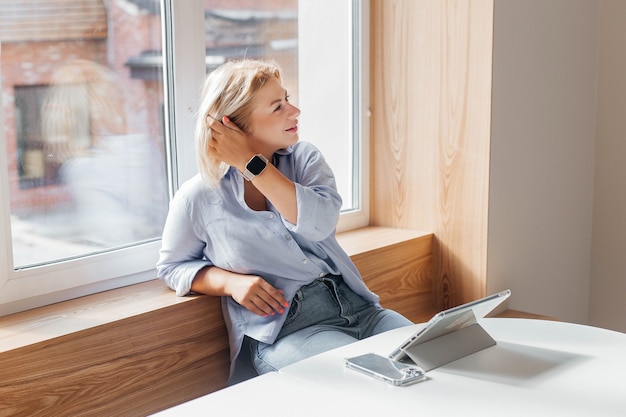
pixel 448 321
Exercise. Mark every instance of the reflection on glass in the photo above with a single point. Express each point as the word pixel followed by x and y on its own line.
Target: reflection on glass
pixel 83 106
pixel 114 177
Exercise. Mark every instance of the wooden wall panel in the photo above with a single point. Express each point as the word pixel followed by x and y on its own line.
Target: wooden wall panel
pixel 397 268
pixel 129 367
pixel 430 101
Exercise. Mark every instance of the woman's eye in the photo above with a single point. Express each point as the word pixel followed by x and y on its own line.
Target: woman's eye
pixel 280 106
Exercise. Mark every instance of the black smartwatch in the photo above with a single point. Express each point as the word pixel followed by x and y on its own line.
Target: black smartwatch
pixel 255 166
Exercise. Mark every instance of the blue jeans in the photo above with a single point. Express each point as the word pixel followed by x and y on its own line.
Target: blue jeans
pixel 324 314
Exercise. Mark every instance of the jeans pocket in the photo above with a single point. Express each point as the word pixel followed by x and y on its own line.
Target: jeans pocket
pixel 294 310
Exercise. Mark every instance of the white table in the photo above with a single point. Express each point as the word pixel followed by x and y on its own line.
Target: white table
pixel 538 368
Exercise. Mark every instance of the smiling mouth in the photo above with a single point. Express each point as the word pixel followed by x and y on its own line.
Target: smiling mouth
pixel 292 129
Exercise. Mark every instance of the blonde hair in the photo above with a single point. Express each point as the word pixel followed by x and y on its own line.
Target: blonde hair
pixel 83 102
pixel 228 91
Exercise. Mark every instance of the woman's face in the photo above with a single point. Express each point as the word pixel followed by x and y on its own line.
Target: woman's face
pixel 274 121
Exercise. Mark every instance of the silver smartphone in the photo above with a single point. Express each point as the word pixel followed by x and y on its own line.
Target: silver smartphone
pixel 385 369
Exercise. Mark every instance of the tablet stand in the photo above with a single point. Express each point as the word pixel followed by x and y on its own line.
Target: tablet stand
pixel 449 347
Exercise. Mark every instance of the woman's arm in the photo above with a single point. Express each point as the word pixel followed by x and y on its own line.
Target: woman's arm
pixel 251 291
pixel 183 268
pixel 279 190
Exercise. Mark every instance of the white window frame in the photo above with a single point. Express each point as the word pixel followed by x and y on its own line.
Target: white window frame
pixel 42 285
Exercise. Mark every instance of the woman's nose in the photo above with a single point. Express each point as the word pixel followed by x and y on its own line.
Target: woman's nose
pixel 295 111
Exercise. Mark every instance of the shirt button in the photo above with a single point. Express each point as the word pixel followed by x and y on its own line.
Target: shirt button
pixel 305 261
pixel 322 275
pixel 271 215
pixel 287 237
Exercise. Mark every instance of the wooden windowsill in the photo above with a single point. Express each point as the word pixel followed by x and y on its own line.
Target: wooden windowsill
pixel 49 322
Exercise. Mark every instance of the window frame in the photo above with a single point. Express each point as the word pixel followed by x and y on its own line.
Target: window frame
pixel 37 286
pixel 360 216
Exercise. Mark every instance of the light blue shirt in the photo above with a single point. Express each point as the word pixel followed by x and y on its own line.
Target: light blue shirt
pixel 214 226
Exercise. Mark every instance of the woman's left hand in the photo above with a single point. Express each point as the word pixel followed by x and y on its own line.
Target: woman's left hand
pixel 228 143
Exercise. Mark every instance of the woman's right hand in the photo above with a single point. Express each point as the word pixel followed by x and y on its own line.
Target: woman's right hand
pixel 251 291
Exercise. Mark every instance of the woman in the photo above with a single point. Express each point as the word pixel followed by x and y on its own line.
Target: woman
pixel 257 227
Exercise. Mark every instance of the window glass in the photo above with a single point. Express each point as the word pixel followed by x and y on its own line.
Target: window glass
pixel 331 95
pixel 83 110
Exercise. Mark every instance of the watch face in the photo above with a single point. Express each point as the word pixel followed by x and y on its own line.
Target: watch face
pixel 256 165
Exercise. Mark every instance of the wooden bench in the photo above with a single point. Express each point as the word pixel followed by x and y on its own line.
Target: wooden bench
pixel 136 350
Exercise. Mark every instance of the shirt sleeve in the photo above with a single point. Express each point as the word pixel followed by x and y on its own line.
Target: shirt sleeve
pixel 181 254
pixel 319 203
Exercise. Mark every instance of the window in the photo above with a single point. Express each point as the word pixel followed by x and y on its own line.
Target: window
pixel 98 122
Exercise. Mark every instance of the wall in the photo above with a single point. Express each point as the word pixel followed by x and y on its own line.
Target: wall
pixel 542 147
pixel 608 269
pixel 544 217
